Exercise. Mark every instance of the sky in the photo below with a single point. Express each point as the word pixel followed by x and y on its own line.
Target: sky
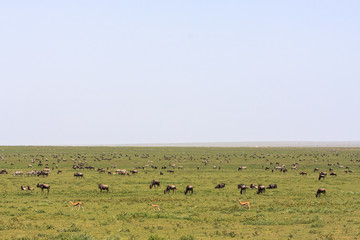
pixel 132 72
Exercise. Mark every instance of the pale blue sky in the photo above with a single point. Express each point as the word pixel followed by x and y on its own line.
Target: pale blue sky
pixel 123 72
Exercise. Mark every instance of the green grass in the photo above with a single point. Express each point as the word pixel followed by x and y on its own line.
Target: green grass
pixel 290 212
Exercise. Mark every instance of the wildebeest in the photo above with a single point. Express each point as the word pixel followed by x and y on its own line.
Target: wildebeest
pixel 42 173
pixel 241 168
pixel 134 171
pixel 333 174
pixel 59 171
pixel 261 189
pixel 243 187
pixel 3 171
pixel 253 186
pixel 121 171
pixel 43 186
pixel 322 175
pixel 316 169
pixel 320 190
pixel 170 187
pixel 221 185
pixel 103 187
pixel 272 186
pixel 303 173
pixel 154 183
pixel 79 175
pixel 30 188
pixel 170 171
pixel 23 188
pixel 189 188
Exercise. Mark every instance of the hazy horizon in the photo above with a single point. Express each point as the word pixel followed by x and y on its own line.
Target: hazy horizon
pixel 127 72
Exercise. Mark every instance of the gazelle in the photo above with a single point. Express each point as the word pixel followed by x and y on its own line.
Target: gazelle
pixel 244 203
pixel 80 204
pixel 155 206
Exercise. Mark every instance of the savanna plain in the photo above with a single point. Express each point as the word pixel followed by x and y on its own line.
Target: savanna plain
pixel 126 211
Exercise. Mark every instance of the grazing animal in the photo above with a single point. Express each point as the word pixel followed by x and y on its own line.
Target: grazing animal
pixel 170 187
pixel 79 204
pixel 18 173
pixel 154 183
pixel 134 171
pixel 221 185
pixel 261 189
pixel 303 173
pixel 316 169
pixel 79 175
pixel 272 186
pixel 244 203
pixel 103 187
pixel 3 171
pixel 170 171
pixel 319 191
pixel 156 207
pixel 43 186
pixel 241 168
pixel 253 186
pixel 23 188
pixel 333 174
pixel 30 188
pixel 322 175
pixel 189 188
pixel 59 171
pixel 243 187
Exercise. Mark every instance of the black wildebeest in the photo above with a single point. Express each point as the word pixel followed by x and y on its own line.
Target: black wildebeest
pixel 43 186
pixel 79 175
pixel 221 185
pixel 189 188
pixel 154 183
pixel 272 186
pixel 320 190
pixel 170 187
pixel 261 189
pixel 243 187
pixel 103 187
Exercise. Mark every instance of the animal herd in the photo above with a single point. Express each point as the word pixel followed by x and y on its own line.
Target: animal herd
pixel 82 164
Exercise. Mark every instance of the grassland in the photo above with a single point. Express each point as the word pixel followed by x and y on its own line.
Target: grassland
pixel 290 212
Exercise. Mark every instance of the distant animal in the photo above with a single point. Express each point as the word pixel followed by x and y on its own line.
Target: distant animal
pixel 319 191
pixel 79 175
pixel 43 186
pixel 23 188
pixel 75 204
pixel 303 173
pixel 316 169
pixel 18 173
pixel 272 186
pixel 170 187
pixel 3 171
pixel 103 187
pixel 134 171
pixel 322 175
pixel 253 186
pixel 189 188
pixel 333 174
pixel 156 207
pixel 221 185
pixel 261 189
pixel 154 183
pixel 243 187
pixel 59 171
pixel 30 188
pixel 244 203
pixel 170 171
pixel 241 168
